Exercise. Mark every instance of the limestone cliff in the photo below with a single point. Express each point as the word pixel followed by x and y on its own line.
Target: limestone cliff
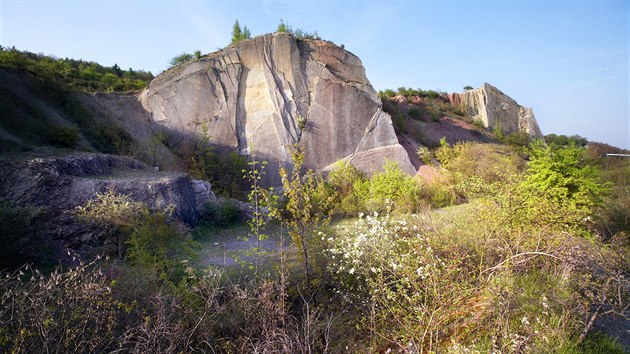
pixel 496 110
pixel 265 94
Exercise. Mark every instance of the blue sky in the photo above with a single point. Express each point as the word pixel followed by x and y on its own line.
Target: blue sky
pixel 568 60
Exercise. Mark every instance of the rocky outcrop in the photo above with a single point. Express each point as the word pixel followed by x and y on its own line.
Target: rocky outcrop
pixel 496 110
pixel 59 184
pixel 63 183
pixel 265 94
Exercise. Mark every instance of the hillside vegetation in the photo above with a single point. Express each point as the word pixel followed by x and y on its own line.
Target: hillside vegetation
pixel 71 74
pixel 531 252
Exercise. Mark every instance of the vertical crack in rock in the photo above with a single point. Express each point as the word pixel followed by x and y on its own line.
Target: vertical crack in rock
pixel 287 127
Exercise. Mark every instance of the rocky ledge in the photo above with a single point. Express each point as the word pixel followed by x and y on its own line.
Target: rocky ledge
pixel 58 185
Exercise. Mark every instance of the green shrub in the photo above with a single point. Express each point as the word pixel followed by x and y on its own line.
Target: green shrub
pixel 398 119
pixel 565 179
pixel 343 176
pixel 563 140
pixel 158 246
pixel 221 212
pixel 520 139
pixel 64 136
pixel 390 189
pixel 478 123
pixel 180 59
pixel 415 113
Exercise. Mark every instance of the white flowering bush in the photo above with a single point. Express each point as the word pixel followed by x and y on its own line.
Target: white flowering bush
pixel 386 268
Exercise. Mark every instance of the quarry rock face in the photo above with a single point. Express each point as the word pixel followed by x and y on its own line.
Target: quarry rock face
pixel 496 110
pixel 59 184
pixel 63 183
pixel 261 96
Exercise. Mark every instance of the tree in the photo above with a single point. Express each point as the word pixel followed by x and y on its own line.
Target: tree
pixel 239 34
pixel 197 54
pixel 283 27
pixel 309 206
pixel 260 199
pixel 466 88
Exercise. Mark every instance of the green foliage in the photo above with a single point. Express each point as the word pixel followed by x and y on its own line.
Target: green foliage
pixel 160 247
pixel 479 123
pixel 64 136
pixel 309 206
pixel 471 170
pixel 564 178
pixel 343 177
pixel 197 54
pixel 283 27
pixel 31 124
pixel 221 212
pixel 415 113
pixel 390 189
pixel 118 214
pixel 59 75
pixel 261 199
pixel 153 242
pixel 388 93
pixel 445 153
pixel 467 88
pixel 425 155
pixel 563 140
pixel 613 219
pixel 520 139
pixel 180 59
pixel 409 92
pixel 222 169
pixel 238 33
pixel 298 33
pixel 480 277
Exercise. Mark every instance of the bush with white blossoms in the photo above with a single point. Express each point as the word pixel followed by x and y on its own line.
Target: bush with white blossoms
pixel 386 268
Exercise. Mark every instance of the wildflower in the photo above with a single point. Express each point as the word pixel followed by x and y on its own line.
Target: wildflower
pixel 525 321
pixel 351 271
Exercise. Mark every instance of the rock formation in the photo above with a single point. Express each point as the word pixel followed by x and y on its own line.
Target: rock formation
pixel 265 94
pixel 496 110
pixel 60 184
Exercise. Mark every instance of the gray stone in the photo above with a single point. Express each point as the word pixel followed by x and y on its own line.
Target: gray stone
pixel 497 110
pixel 59 184
pixel 261 96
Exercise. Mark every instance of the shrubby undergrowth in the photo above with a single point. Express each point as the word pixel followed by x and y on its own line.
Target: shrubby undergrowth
pixel 519 266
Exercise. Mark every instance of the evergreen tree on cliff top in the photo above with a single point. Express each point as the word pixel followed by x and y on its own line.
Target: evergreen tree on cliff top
pixel 239 34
